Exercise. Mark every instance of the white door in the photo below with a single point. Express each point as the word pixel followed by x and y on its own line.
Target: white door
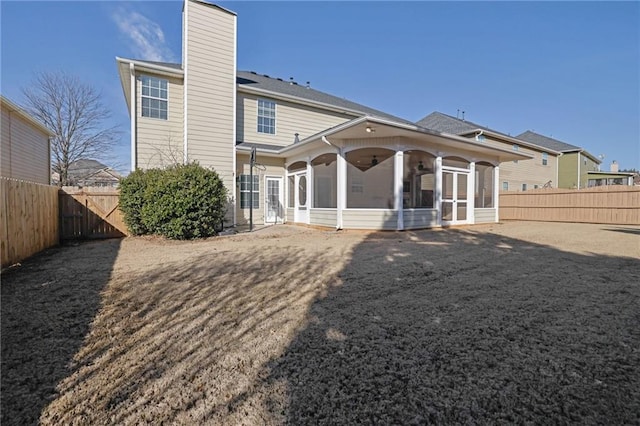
pixel 273 206
pixel 454 203
pixel 302 208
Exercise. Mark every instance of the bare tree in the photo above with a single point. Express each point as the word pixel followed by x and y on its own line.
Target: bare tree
pixel 74 111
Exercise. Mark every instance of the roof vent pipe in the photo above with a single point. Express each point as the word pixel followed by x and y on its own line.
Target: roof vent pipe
pixel 296 137
pixel 291 80
pixel 308 84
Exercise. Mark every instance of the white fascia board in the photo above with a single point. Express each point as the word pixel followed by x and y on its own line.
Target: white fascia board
pixel 514 140
pixel 295 99
pixel 156 69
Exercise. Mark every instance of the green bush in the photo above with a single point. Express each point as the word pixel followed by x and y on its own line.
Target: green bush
pixel 180 202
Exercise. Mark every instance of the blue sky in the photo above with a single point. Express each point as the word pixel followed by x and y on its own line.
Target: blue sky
pixel 569 70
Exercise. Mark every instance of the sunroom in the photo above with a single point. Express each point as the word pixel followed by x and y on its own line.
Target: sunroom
pixel 373 173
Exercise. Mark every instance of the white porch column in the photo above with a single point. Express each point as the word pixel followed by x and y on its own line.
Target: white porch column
pixel 341 172
pixel 398 165
pixel 309 189
pixel 496 191
pixel 438 194
pixel 471 193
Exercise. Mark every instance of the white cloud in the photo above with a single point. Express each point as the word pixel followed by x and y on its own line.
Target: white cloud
pixel 146 36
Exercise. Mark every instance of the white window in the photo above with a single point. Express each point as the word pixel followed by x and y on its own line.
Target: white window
pixel 154 97
pixel 266 117
pixel 524 186
pixel 245 191
pixel 505 186
pixel 545 158
pixel 516 148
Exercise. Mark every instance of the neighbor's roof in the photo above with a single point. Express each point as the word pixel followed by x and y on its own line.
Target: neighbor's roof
pixel 547 142
pixel 253 80
pixel 455 126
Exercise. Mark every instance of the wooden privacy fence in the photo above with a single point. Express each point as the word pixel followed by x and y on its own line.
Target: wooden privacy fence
pixel 29 216
pixel 90 212
pixel 619 205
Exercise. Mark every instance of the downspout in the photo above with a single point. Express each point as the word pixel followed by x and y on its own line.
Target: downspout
pixel 134 101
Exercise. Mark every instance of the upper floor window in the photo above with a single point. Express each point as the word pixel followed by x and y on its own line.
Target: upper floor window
pixel 154 97
pixel 266 117
pixel 545 158
pixel 516 148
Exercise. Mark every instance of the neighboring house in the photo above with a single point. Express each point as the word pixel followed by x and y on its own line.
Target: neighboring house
pixel 541 171
pixel 322 160
pixel 86 172
pixel 612 177
pixel 26 152
pixel 574 164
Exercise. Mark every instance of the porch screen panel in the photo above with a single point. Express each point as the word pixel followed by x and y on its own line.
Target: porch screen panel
pixel 484 185
pixel 370 179
pixel 325 172
pixel 418 180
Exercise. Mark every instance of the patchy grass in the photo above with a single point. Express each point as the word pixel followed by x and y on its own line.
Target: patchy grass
pixel 506 323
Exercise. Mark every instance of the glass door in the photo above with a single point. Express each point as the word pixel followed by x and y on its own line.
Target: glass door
pixel 274 211
pixel 454 203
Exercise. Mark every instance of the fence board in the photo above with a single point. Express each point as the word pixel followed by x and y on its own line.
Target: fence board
pixel 91 212
pixel 29 216
pixel 619 205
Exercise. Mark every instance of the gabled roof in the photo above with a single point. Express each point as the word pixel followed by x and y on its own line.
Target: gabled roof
pixel 547 142
pixel 253 80
pixel 448 124
pixel 263 84
pixel 86 167
pixel 554 144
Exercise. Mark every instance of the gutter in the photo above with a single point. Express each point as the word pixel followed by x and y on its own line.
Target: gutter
pixel 134 102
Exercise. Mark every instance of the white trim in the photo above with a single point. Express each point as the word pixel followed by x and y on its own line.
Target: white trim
pixel 185 121
pixel 471 193
pixel 398 165
pixel 341 181
pixel 579 158
pixel 133 114
pixel 157 69
pixel 438 195
pixel 275 117
pixel 496 191
pixel 235 118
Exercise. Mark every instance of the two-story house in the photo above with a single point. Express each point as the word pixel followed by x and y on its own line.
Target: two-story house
pixel 540 172
pixel 321 160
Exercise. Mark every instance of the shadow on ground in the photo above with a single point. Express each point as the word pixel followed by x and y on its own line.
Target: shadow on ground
pixel 460 327
pixel 48 304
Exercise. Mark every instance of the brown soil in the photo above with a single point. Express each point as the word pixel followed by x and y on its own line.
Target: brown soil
pixel 512 323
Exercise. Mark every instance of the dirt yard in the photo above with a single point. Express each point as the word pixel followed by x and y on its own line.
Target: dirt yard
pixel 505 323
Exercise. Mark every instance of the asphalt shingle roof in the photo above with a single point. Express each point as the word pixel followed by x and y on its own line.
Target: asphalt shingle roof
pixel 546 142
pixel 276 85
pixel 445 123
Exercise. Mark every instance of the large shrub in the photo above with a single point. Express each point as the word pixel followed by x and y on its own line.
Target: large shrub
pixel 180 202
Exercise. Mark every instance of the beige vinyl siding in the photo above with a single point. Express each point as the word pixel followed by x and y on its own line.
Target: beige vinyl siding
pixel 370 219
pixel 160 142
pixel 25 150
pixel 484 215
pixel 291 118
pixel 531 172
pixel 568 170
pixel 323 217
pixel 267 166
pixel 420 218
pixel 210 89
pixel 289 212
